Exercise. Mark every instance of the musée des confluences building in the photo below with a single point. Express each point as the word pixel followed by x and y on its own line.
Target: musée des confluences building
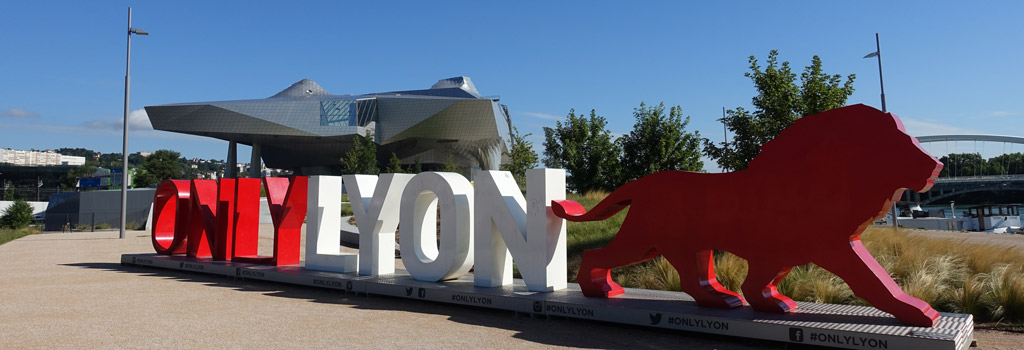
pixel 307 130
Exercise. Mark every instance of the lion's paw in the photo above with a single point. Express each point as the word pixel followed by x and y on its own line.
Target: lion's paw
pixel 779 304
pixel 601 290
pixel 921 318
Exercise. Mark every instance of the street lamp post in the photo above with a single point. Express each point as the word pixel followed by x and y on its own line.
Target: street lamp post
pixel 124 142
pixel 881 84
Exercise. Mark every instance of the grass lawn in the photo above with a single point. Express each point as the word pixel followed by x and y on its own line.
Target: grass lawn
pixel 7 235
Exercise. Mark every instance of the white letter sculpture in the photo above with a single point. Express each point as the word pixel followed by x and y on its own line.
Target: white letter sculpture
pixel 507 227
pixel 418 232
pixel 323 227
pixel 375 204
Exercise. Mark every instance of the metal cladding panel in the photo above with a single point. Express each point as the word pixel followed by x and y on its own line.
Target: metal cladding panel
pixel 397 114
pixel 465 120
pixel 500 121
pixel 213 119
pixel 301 114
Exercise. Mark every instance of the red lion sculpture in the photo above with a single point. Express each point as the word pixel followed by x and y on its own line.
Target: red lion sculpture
pixel 851 160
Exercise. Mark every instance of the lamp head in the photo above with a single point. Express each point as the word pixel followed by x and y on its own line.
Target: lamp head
pixel 137 31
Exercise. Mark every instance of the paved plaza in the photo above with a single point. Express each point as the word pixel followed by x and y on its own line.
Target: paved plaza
pixel 68 290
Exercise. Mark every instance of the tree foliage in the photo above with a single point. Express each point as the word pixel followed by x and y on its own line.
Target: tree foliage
pixel 972 164
pixel 394 165
pixel 416 167
pixel 159 166
pixel 16 216
pixel 659 142
pixel 522 156
pixel 585 149
pixel 90 155
pixel 450 166
pixel 778 103
pixel 71 178
pixel 362 158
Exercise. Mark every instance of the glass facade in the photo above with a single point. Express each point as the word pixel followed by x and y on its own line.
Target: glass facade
pixel 338 113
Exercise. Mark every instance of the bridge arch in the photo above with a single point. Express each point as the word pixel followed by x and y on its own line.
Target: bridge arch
pixel 943 198
pixel 989 138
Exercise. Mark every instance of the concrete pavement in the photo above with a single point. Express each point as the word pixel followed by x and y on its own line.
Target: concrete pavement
pixel 69 291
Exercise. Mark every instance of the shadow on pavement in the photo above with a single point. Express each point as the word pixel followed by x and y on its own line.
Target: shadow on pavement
pixel 554 331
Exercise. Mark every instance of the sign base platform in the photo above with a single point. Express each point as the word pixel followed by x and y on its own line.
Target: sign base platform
pixel 842 326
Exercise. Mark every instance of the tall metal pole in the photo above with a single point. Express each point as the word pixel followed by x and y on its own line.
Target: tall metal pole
pixel 124 141
pixel 881 83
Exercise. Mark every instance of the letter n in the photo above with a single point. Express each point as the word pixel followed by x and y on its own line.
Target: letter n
pixel 204 218
pixel 502 217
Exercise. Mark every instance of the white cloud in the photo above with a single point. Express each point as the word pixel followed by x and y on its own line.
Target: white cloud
pixel 1002 113
pixel 19 113
pixel 923 128
pixel 137 120
pixel 542 115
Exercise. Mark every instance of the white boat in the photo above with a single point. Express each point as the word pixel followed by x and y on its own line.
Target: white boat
pixel 992 218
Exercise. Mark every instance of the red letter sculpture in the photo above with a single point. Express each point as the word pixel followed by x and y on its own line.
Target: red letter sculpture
pixel 204 218
pixel 172 209
pixel 286 198
pixel 246 220
pixel 851 160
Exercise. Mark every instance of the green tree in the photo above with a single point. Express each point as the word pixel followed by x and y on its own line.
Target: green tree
pixel 450 166
pixel 778 103
pixel 394 165
pixel 109 160
pixel 16 216
pixel 362 158
pixel 1010 164
pixel 159 166
pixel 135 160
pixel 963 164
pixel 659 142
pixel 522 156
pixel 585 149
pixel 90 155
pixel 416 167
pixel 71 178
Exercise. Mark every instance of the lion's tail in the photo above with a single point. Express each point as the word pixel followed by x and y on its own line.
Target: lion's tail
pixel 570 210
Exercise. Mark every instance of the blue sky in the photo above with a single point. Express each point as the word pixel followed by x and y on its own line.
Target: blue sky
pixel 950 67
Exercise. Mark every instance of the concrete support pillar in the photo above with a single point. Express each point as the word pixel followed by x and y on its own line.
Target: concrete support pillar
pixel 231 168
pixel 255 163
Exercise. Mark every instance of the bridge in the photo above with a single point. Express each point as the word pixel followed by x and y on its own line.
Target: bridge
pixel 956 187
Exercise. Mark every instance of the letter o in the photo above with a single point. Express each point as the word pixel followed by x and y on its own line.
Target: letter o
pixel 172 209
pixel 418 226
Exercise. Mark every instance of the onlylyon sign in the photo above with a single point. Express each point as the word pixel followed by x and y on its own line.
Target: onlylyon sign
pixel 830 158
pixel 487 225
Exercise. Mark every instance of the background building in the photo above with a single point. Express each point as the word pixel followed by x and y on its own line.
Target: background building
pixel 307 130
pixel 37 158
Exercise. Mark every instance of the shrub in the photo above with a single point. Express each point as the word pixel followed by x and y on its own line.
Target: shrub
pixel 16 216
